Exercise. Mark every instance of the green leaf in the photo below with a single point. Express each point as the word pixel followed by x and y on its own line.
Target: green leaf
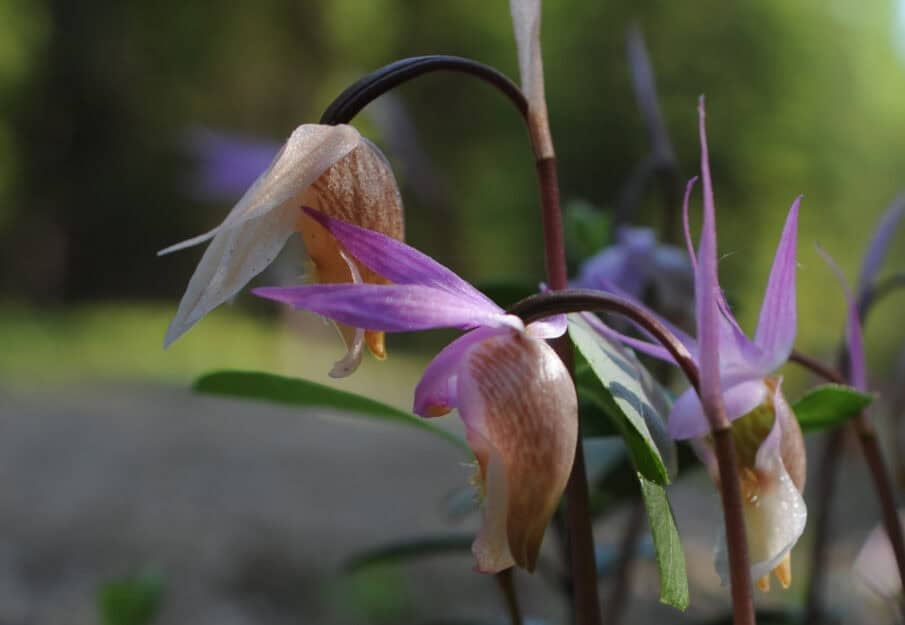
pixel 670 557
pixel 296 392
pixel 627 393
pixel 828 406
pixel 131 600
pixel 410 549
pixel 586 229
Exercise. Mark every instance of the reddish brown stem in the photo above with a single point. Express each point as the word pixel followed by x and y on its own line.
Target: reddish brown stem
pixel 867 438
pixel 506 582
pixel 736 538
pixel 826 485
pixel 586 602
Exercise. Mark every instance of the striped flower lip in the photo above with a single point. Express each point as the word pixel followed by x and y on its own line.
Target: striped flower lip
pixel 513 393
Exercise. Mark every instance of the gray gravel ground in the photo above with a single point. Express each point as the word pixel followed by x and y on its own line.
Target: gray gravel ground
pixel 250 509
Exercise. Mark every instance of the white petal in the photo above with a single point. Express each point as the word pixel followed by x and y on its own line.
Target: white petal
pixel 234 257
pixel 491 546
pixel 308 153
pixel 774 518
pixel 526 24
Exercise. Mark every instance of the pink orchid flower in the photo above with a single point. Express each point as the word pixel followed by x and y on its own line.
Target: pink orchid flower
pixel 512 391
pixel 738 372
pixel 876 562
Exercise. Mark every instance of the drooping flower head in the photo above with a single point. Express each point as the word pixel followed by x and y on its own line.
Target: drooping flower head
pixel 512 391
pixel 331 168
pixel 737 373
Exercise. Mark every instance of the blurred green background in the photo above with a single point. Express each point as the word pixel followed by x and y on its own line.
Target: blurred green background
pixel 98 99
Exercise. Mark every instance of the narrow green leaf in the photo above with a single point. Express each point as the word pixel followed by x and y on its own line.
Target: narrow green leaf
pixel 828 406
pixel 296 392
pixel 670 557
pixel 626 392
pixel 409 549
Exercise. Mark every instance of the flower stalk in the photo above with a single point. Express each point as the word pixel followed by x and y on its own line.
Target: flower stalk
pixel 867 438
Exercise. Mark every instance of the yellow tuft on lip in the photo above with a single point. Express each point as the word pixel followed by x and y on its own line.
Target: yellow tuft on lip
pixel 783 571
pixel 359 189
pixel 375 342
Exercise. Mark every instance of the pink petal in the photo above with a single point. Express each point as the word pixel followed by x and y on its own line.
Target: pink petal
pixel 707 289
pixel 436 394
pixel 655 350
pixel 688 241
pixel 549 328
pixel 776 327
pixel 879 244
pixel 687 418
pixel 853 333
pixel 390 308
pixel 398 262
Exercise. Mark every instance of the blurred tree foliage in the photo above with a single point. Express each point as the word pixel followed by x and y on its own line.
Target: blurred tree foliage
pixel 98 96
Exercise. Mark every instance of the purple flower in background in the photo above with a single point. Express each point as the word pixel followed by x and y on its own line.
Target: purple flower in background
pixel 514 394
pixel 879 246
pixel 228 163
pixel 876 563
pixel 643 268
pixel 736 372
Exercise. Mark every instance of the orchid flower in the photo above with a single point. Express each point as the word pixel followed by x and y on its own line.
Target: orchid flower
pixel 739 373
pixel 227 163
pixel 512 391
pixel 638 265
pixel 332 168
pixel 876 563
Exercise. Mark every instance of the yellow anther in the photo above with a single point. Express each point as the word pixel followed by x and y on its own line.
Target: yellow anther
pixel 763 584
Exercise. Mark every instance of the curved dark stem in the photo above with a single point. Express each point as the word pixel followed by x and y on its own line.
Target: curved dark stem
pixel 351 101
pixel 581 300
pixel 867 437
pixel 815 366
